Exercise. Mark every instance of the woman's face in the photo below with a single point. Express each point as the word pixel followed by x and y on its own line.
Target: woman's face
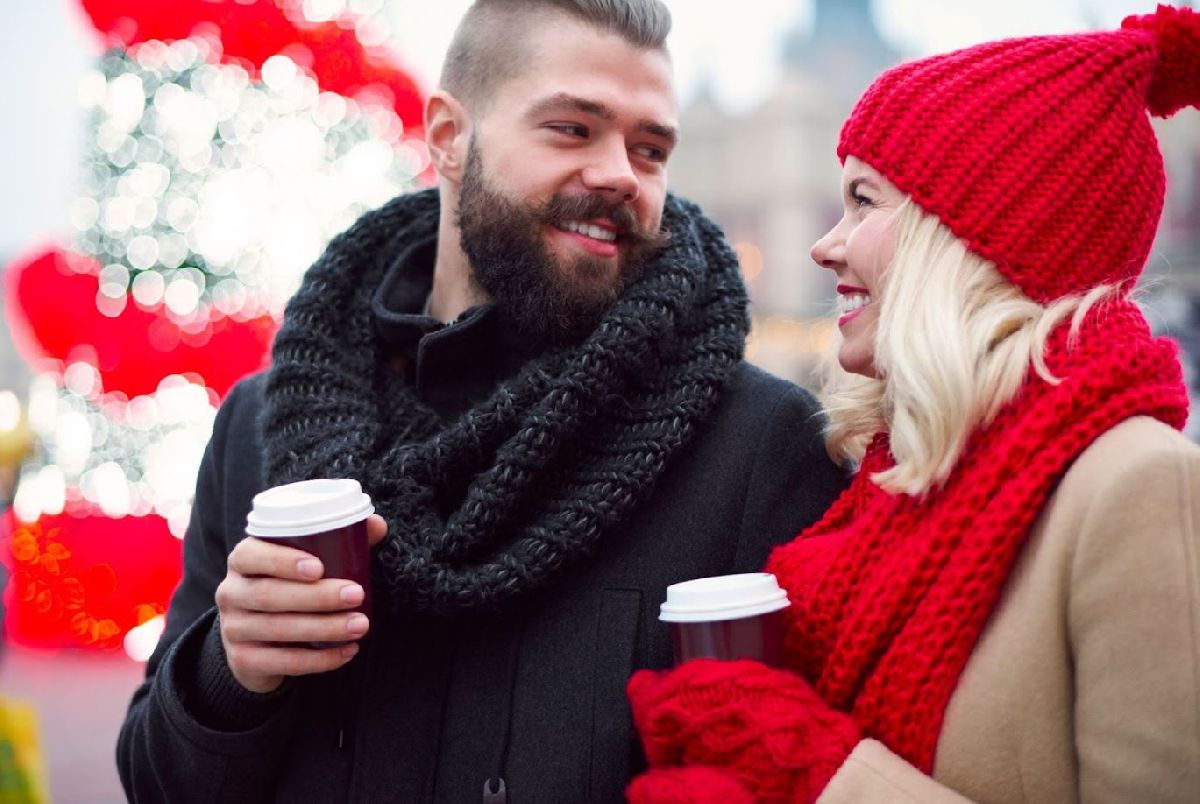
pixel 858 250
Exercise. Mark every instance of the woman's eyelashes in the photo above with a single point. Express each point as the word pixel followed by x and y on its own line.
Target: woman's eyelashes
pixel 859 199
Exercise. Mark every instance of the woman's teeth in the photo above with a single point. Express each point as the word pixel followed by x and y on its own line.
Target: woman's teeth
pixel 850 303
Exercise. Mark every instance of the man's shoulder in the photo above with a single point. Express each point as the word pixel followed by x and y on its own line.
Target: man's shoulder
pixel 237 416
pixel 754 394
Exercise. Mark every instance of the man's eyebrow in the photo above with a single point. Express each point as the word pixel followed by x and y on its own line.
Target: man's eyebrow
pixel 669 133
pixel 563 101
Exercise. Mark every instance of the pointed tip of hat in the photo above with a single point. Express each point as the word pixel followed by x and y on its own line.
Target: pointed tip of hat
pixel 1176 81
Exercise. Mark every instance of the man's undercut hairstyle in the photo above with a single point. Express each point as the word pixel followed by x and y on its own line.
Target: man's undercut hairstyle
pixel 490 45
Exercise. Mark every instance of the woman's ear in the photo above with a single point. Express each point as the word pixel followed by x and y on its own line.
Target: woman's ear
pixel 447 133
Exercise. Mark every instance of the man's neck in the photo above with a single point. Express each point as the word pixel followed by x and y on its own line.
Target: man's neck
pixel 454 290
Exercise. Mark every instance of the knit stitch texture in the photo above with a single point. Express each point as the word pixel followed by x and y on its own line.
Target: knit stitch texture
pixel 1038 152
pixel 499 501
pixel 890 593
pixel 764 727
pixel 687 786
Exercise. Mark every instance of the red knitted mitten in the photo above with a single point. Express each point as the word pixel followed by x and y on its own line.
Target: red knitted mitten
pixel 768 728
pixel 687 786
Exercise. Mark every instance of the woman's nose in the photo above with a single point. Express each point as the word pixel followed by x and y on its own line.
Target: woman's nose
pixel 830 250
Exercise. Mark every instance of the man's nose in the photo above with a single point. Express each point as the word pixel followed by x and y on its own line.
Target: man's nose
pixel 611 174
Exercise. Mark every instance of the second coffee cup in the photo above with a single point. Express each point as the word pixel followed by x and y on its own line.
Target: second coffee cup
pixel 327 518
pixel 727 617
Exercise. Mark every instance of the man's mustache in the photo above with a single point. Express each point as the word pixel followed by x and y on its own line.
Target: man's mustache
pixel 563 208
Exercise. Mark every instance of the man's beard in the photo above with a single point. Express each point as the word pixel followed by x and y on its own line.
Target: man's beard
pixel 551 299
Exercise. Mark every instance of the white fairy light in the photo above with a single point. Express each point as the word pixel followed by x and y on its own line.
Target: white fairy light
pixel 372 31
pixel 141 641
pixel 178 518
pixel 111 489
pixel 181 296
pixel 72 442
pixel 114 279
pixel 240 179
pixel 181 54
pixel 111 306
pixel 148 288
pixel 83 213
pixel 142 253
pixel 278 72
pixel 82 378
pixel 10 412
pixel 322 10
pixel 27 502
pixel 116 214
pixel 115 456
pixel 210 193
pixel 125 102
pixel 141 413
pixel 365 8
pixel 52 487
pixel 43 401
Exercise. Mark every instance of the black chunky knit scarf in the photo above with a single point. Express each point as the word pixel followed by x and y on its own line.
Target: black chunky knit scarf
pixel 525 483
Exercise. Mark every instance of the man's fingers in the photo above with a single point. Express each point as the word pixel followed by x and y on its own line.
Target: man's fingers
pixel 272 660
pixel 376 529
pixel 260 627
pixel 277 595
pixel 253 556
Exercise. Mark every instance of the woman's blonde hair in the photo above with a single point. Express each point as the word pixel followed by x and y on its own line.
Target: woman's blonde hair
pixel 954 343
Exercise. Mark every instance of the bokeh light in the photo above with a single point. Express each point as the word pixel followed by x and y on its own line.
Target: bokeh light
pixel 203 177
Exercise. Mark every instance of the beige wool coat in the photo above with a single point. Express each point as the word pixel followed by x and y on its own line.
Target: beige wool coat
pixel 1085 684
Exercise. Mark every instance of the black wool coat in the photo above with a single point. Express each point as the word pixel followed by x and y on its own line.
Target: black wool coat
pixel 432 708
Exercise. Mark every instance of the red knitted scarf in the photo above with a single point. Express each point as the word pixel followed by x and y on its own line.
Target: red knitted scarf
pixel 890 592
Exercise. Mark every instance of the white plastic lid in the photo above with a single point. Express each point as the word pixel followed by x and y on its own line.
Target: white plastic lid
pixel 726 597
pixel 309 506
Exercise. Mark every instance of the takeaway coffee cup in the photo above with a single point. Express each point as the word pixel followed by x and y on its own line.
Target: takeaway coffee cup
pixel 327 518
pixel 727 617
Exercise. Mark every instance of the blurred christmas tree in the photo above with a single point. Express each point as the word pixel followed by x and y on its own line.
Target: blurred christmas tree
pixel 230 140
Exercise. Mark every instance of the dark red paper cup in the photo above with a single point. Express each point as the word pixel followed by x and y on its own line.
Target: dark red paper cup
pixel 727 617
pixel 327 518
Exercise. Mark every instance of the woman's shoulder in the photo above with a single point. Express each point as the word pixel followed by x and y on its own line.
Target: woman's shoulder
pixel 1139 451
pixel 1137 484
pixel 1143 435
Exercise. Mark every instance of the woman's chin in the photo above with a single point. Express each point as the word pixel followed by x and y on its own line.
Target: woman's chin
pixel 854 361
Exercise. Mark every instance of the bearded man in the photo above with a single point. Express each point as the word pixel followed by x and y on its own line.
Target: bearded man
pixel 536 372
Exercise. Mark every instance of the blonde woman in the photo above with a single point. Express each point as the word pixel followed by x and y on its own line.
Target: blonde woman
pixel 1005 605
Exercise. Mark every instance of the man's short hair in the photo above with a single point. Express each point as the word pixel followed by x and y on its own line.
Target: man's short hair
pixel 488 47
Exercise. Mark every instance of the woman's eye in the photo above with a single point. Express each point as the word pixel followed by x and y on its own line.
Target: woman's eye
pixel 861 200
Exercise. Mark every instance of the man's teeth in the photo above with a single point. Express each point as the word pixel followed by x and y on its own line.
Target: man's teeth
pixel 589 230
pixel 850 303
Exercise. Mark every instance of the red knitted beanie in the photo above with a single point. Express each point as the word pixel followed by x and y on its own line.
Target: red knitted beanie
pixel 1038 152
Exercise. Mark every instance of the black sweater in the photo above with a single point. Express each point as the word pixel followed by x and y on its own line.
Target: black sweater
pixel 431 708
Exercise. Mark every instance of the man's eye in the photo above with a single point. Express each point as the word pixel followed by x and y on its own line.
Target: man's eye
pixel 651 152
pixel 570 129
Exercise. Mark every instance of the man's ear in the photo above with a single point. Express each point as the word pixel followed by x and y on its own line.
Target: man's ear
pixel 447 132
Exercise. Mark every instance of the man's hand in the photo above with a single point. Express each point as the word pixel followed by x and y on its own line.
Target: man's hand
pixel 274 595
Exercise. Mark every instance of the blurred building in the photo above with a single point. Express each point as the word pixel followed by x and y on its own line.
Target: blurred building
pixel 14 374
pixel 770 178
pixel 1171 286
pixel 15 440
